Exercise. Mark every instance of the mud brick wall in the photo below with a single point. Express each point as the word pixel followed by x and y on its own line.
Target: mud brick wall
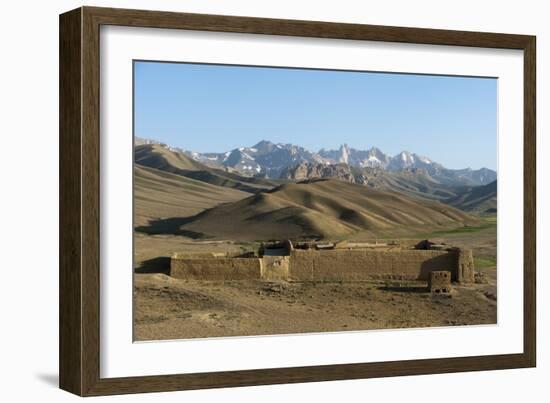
pixel 357 265
pixel 216 268
pixel 440 282
pixel 329 265
pixel 275 267
pixel 199 255
pixel 466 270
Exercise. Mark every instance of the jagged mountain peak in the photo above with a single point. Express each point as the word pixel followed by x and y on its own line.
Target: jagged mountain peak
pixel 264 146
pixel 262 143
pixel 344 153
pixel 269 159
pixel 405 154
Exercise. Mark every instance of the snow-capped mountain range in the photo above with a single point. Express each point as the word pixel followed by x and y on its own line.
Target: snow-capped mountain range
pixel 267 159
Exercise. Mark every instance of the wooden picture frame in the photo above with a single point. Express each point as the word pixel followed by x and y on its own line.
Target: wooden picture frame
pixel 79 346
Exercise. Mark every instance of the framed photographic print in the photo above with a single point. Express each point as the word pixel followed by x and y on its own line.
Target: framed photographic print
pixel 249 201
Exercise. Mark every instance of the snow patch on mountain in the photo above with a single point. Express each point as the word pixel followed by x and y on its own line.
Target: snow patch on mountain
pixel 271 160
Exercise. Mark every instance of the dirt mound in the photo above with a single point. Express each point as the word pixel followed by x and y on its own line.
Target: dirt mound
pixel 477 199
pixel 162 158
pixel 162 194
pixel 325 209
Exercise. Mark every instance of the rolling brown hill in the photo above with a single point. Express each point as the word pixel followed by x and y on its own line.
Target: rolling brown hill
pixel 159 194
pixel 162 158
pixel 328 209
pixel 479 199
pixel 411 181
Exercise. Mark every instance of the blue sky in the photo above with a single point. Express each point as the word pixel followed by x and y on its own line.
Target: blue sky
pixel 214 108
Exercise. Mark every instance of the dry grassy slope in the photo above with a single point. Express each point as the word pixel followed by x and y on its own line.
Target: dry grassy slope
pixel 160 194
pixel 417 185
pixel 326 208
pixel 477 199
pixel 159 157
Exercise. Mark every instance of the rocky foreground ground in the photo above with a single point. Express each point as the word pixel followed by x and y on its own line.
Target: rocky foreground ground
pixel 168 308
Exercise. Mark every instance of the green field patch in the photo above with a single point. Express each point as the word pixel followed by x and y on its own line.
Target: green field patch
pixel 484 261
pixel 490 218
pixel 461 230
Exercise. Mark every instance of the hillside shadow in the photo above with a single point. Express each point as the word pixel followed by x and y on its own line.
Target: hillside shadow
pixel 405 289
pixel 439 263
pixel 170 226
pixel 159 264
